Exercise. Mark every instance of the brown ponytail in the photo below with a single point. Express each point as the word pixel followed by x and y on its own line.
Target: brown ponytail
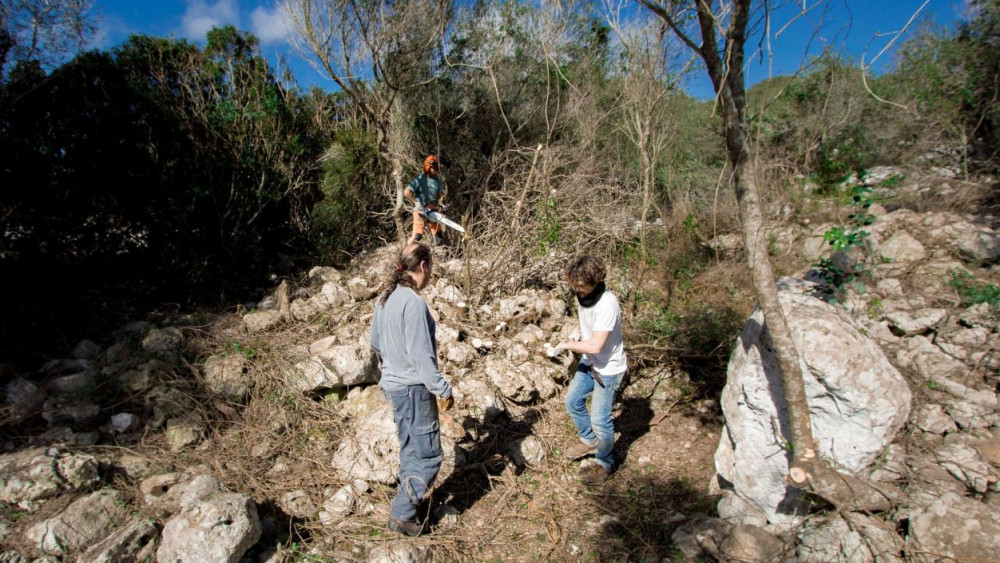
pixel 408 261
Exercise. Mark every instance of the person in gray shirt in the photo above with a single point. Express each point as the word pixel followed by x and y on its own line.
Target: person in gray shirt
pixel 402 334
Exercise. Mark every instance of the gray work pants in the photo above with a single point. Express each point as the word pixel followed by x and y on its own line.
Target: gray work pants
pixel 416 414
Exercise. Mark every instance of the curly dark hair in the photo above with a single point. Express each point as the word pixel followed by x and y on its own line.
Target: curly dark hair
pixel 585 270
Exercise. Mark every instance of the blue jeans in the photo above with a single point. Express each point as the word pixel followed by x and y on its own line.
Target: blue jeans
pixel 416 414
pixel 595 426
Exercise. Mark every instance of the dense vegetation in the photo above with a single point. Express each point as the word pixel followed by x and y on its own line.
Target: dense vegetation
pixel 166 172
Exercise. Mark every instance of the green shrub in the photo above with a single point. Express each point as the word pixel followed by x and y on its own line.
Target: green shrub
pixel 973 292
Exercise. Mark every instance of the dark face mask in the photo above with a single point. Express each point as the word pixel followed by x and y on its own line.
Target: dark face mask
pixel 591 298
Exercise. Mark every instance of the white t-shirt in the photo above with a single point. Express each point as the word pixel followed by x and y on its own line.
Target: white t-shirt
pixel 605 316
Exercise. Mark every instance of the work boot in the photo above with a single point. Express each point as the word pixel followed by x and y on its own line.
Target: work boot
pixel 594 475
pixel 438 239
pixel 407 528
pixel 581 450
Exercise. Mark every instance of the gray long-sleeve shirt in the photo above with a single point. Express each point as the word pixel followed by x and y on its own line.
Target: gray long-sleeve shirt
pixel 403 335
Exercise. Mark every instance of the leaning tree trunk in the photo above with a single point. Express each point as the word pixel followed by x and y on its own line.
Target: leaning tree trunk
pixel 806 470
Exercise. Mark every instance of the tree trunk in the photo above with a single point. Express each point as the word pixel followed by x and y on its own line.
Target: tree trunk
pixel 398 211
pixel 806 470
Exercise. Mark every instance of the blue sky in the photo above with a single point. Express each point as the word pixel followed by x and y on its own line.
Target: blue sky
pixel 854 28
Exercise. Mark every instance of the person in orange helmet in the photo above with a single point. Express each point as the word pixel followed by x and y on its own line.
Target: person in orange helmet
pixel 425 193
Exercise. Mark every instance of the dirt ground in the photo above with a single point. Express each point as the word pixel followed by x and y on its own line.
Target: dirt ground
pixel 665 449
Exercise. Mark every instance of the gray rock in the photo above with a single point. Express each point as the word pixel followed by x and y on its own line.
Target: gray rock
pixel 57 410
pixel 33 475
pixel 974 346
pixel 134 466
pixel 333 365
pixel 955 527
pixel 990 450
pixel 399 552
pixel 928 360
pixel 184 432
pixel 879 174
pixel 460 354
pixel 517 354
pixel 891 465
pixel 930 417
pixel 979 315
pixel 479 398
pixel 76 384
pixel 263 321
pixel 324 274
pixel 527 451
pixel 86 350
pixel 168 402
pixel 852 538
pixel 331 296
pixel 224 375
pixel 918 322
pixel 370 452
pixel 692 538
pixel 529 335
pixel 902 248
pixel 522 384
pixel 11 556
pixel 341 503
pixel 163 342
pixel 359 289
pixel 928 481
pixel 971 415
pixel 298 504
pixel 750 544
pixel 889 288
pixel 124 422
pixel 216 526
pixel 135 542
pixel 964 463
pixel 24 397
pixel 857 401
pixel 452 294
pixel 83 522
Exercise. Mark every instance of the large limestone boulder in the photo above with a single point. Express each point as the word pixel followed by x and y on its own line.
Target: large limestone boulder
pixel 30 476
pixel 955 528
pixel 213 525
pixel 857 402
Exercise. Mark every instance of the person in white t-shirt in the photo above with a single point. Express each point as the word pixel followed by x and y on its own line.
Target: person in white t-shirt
pixel 601 368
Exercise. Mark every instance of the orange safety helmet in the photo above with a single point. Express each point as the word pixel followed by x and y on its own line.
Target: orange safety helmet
pixel 430 161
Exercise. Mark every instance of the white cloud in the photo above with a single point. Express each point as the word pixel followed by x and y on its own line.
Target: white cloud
pixel 270 25
pixel 200 16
